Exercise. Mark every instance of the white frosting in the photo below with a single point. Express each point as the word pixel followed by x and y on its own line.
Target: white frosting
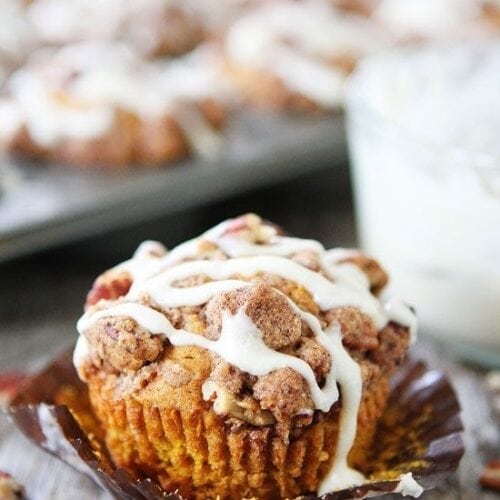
pixel 74 92
pixel 140 22
pixel 280 247
pixel 399 312
pixel 326 293
pixel 297 41
pixel 145 261
pixel 63 21
pixel 150 248
pixel 16 37
pixel 81 353
pixel 241 343
pixel 10 120
pixel 48 120
pixel 408 486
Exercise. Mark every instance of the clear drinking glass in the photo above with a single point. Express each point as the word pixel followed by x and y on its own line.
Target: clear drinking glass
pixel 426 179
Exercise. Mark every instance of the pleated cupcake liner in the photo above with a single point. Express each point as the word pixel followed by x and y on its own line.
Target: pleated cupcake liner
pixel 419 432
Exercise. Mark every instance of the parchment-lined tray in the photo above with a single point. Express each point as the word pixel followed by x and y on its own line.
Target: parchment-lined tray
pixel 41 206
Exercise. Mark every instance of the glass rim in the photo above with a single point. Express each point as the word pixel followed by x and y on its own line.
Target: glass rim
pixel 357 101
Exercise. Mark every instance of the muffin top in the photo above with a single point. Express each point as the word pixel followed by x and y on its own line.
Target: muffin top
pixel 261 328
pixel 76 92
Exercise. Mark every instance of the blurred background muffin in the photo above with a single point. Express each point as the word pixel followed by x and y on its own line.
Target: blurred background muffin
pixel 97 103
pixel 289 55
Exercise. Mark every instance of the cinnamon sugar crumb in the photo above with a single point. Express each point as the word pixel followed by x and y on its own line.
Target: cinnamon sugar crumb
pixel 269 311
pixel 307 259
pixel 109 286
pixel 394 340
pixel 123 343
pixel 358 330
pixel 316 356
pixel 284 392
pixel 373 270
pixel 228 376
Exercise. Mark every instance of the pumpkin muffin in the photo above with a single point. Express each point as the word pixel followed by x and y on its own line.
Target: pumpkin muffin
pixel 152 27
pixel 100 104
pixel 242 363
pixel 295 56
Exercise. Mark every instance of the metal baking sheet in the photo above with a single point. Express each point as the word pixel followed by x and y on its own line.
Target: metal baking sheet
pixel 46 205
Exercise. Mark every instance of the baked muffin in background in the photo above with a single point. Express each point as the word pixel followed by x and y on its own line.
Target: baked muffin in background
pixel 16 37
pixel 152 27
pixel 294 56
pixel 242 363
pixel 100 104
pixel 155 28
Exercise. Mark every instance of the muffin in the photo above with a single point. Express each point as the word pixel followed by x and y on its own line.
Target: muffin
pixel 16 37
pixel 242 363
pixel 100 104
pixel 294 56
pixel 153 27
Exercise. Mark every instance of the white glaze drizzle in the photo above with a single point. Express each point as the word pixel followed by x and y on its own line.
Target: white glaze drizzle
pixel 145 261
pixel 400 313
pixel 238 330
pixel 241 345
pixel 74 92
pixel 325 293
pixel 408 486
pixel 298 40
pixel 274 245
pixel 81 353
pixel 156 275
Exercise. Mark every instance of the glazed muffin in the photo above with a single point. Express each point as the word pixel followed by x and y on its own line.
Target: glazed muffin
pixel 153 27
pixel 16 37
pixel 361 7
pixel 242 363
pixel 294 56
pixel 99 104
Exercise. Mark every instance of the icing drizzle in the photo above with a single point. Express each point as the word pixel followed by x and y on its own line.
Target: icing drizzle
pixel 254 248
pixel 75 92
pixel 296 41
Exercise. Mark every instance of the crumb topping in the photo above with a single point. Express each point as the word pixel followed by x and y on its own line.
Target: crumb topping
pixel 122 346
pixel 268 309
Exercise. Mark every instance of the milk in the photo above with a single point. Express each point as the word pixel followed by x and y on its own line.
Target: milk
pixel 424 135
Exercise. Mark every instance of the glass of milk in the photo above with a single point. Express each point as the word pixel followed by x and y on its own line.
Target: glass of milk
pixel 424 136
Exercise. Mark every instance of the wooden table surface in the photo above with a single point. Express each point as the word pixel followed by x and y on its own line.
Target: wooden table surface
pixel 40 300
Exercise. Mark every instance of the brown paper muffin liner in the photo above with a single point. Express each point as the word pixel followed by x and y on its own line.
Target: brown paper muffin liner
pixel 180 448
pixel 419 432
